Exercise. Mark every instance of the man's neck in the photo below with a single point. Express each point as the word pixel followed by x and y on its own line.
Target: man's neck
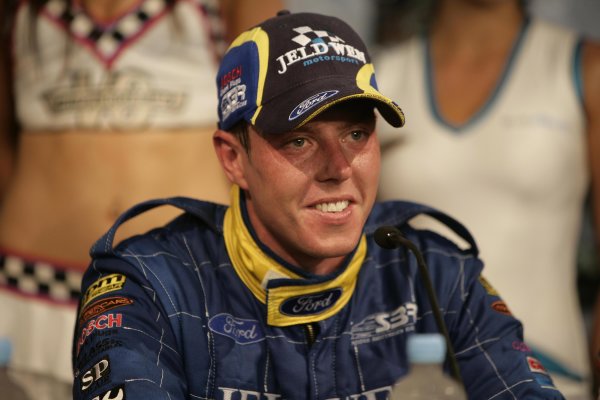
pixel 322 266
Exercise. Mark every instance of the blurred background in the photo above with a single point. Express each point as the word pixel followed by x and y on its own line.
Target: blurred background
pixel 363 15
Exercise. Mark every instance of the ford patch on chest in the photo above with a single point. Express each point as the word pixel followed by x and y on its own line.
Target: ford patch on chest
pixel 310 304
pixel 242 331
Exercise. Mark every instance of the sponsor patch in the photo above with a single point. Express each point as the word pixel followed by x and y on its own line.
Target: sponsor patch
pixel 310 304
pixel 106 321
pixel 96 375
pixel 380 393
pixel 102 306
pixel 501 307
pixel 232 75
pixel 545 381
pixel 520 346
pixel 116 393
pixel 536 366
pixel 106 284
pixel 487 286
pixel 96 349
pixel 384 325
pixel 242 331
pixel 233 99
pixel 311 102
pixel 541 375
pixel 318 46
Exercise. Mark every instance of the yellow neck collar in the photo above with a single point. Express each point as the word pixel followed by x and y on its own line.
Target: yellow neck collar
pixel 291 297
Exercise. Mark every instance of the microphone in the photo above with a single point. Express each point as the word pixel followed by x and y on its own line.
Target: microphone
pixel 389 237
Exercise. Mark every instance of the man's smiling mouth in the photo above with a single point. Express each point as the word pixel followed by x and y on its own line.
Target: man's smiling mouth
pixel 333 207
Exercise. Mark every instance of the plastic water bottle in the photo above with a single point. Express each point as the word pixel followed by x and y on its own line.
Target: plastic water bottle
pixel 8 387
pixel 426 379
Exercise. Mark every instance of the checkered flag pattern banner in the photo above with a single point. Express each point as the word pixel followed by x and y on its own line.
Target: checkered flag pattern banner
pixel 39 279
pixel 308 35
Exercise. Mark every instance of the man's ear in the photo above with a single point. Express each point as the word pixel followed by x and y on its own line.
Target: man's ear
pixel 231 155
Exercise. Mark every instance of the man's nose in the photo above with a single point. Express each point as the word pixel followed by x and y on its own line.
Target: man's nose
pixel 334 164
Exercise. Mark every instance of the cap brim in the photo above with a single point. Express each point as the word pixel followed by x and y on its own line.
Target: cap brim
pixel 389 110
pixel 316 97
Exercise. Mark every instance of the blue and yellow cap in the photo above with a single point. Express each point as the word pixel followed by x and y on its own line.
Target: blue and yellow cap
pixel 285 71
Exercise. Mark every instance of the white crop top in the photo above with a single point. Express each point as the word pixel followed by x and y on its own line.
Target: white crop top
pixel 152 67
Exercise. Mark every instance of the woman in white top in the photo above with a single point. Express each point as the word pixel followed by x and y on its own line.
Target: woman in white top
pixel 114 101
pixel 503 132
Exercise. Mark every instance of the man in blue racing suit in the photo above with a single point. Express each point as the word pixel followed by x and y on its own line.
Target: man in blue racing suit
pixel 286 294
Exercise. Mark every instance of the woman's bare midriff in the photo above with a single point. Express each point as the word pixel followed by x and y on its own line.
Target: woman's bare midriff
pixel 69 187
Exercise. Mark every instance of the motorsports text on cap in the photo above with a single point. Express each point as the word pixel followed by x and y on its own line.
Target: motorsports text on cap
pixel 315 49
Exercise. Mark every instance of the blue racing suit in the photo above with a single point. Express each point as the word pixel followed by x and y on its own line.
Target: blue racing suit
pixel 165 315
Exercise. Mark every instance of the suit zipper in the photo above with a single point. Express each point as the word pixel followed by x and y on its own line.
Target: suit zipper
pixel 310 334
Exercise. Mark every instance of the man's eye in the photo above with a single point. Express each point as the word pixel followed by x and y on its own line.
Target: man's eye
pixel 298 142
pixel 357 135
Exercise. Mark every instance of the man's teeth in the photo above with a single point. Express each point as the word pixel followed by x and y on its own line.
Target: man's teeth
pixel 333 207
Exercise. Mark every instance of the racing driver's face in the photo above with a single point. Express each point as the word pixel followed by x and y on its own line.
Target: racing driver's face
pixel 309 191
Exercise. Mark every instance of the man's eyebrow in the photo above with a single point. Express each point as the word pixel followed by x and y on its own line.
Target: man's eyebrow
pixel 343 123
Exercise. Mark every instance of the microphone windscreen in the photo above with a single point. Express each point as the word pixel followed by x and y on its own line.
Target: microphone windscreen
pixel 387 237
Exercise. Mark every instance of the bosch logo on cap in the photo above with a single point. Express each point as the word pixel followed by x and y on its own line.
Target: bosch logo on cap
pixel 311 304
pixel 310 103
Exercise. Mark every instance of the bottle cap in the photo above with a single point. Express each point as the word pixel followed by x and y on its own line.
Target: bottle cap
pixel 426 348
pixel 5 351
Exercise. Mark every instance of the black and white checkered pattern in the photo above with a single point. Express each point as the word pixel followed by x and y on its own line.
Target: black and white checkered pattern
pixel 109 40
pixel 39 279
pixel 308 35
pixel 216 27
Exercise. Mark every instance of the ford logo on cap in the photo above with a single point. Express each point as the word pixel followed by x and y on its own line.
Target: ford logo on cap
pixel 310 304
pixel 310 103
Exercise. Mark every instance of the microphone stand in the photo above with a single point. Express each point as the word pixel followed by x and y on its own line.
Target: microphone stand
pixel 389 237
